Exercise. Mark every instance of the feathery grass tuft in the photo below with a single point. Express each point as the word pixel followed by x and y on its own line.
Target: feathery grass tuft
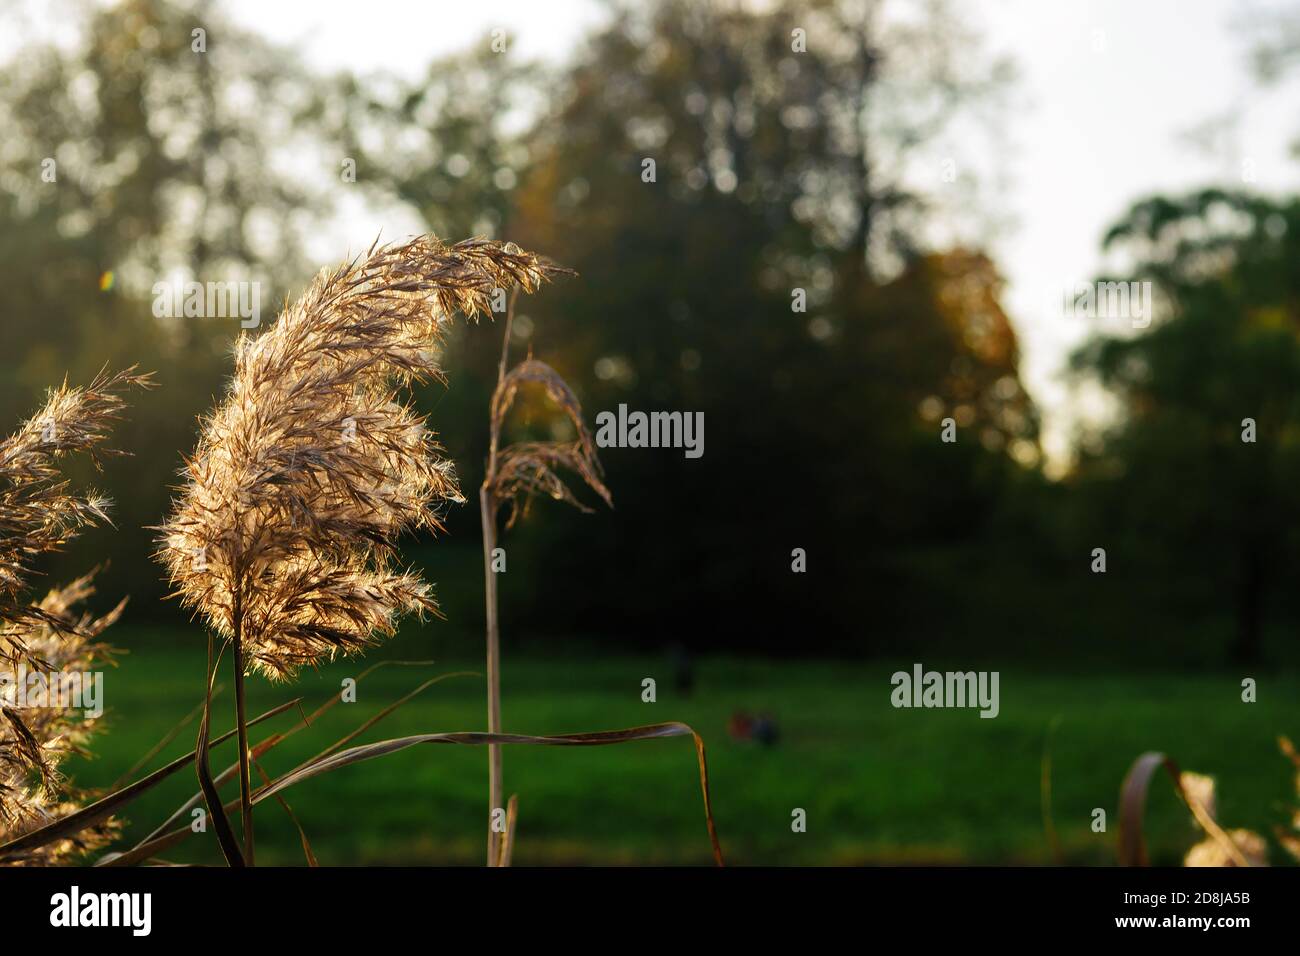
pixel 39 513
pixel 35 740
pixel 306 475
pixel 284 535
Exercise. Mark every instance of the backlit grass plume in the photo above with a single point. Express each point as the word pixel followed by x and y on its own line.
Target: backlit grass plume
pixel 37 734
pixel 283 537
pixel 41 639
pixel 39 511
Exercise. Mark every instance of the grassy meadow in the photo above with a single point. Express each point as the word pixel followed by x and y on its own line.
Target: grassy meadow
pixel 879 785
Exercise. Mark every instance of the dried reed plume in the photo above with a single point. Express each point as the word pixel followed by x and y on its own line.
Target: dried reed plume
pixel 35 740
pixel 38 514
pixel 284 534
pixel 515 475
pixel 38 510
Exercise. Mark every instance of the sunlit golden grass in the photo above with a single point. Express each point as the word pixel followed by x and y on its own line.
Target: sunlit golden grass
pixel 283 538
pixel 39 513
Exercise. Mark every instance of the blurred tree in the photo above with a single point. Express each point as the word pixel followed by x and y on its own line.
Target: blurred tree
pixel 1199 492
pixel 773 275
pixel 143 152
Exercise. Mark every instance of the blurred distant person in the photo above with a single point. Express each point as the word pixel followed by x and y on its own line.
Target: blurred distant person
pixel 765 730
pixel 683 669
pixel 761 728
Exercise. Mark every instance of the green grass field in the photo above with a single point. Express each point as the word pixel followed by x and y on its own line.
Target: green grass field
pixel 879 785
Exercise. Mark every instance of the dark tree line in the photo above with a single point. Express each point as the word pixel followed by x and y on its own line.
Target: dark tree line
pixel 773 274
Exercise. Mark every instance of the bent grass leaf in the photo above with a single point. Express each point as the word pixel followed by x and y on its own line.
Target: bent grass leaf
pixel 279 737
pixel 475 739
pixel 161 840
pixel 225 833
pixel 293 818
pixel 161 745
pixel 512 817
pixel 105 807
pixel 478 739
pixel 1132 807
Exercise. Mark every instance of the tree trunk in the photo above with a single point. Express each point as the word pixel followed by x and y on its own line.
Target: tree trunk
pixel 1247 646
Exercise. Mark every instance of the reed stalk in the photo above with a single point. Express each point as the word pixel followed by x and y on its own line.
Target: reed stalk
pixel 488 509
pixel 514 475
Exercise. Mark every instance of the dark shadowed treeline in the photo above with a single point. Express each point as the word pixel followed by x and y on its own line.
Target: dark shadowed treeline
pixel 774 270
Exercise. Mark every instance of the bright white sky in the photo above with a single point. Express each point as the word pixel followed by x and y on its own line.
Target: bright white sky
pixel 1105 128
pixel 1108 91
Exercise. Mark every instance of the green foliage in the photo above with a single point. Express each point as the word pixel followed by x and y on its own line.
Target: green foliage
pixel 776 170
pixel 1173 477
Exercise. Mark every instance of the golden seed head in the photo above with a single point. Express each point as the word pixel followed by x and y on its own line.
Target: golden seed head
pixel 307 473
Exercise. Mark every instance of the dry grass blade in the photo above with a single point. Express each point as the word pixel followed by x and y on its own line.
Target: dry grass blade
pixel 508 838
pixel 1045 792
pixel 225 833
pixel 293 818
pixel 162 840
pixel 273 741
pixel 161 745
pixel 479 739
pixel 72 824
pixel 155 845
pixel 1132 803
pixel 400 702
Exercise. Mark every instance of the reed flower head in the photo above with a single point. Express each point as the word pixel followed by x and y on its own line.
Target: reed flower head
pixel 307 473
pixel 38 514
pixel 38 510
pixel 530 469
pixel 34 740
